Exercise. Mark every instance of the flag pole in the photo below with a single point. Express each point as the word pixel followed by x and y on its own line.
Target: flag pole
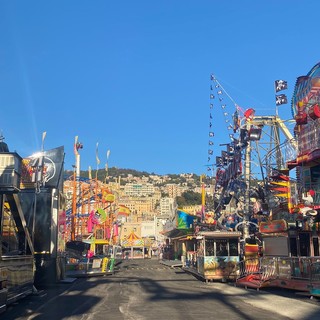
pixel 107 167
pixel 43 137
pixel 275 93
pixel 97 160
pixel 280 85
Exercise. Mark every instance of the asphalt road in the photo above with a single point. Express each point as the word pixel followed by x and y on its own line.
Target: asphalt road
pixel 146 289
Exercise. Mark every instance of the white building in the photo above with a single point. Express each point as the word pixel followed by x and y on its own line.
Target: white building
pixel 148 229
pixel 167 206
pixel 138 189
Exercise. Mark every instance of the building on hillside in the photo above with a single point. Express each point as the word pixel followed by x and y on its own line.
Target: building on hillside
pixel 160 223
pixel 139 189
pixel 209 189
pixel 114 185
pixel 141 205
pixel 156 179
pixel 172 190
pixel 148 229
pixel 192 209
pixel 167 206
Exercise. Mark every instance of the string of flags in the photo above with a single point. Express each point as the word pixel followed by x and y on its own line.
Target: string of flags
pixel 279 86
pixel 217 98
pixel 233 122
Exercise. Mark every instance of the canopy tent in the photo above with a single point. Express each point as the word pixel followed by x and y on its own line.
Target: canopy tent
pixel 133 241
pixel 132 237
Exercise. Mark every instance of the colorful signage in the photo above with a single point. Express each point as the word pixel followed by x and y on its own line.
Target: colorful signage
pixel 273 226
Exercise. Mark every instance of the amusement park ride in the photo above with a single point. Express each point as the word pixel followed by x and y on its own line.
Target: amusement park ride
pixel 265 230
pixel 93 218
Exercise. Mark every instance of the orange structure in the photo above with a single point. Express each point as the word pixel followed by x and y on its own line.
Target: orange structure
pixel 90 209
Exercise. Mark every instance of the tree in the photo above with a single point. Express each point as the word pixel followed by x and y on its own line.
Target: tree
pixel 189 198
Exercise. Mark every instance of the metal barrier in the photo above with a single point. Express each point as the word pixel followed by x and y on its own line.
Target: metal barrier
pixel 268 269
pixel 296 267
pixel 315 271
pixel 248 266
pixel 315 279
pixel 287 268
pixel 90 266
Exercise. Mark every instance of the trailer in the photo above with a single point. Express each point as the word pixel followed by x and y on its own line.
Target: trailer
pixel 218 254
pixel 32 223
pixel 16 249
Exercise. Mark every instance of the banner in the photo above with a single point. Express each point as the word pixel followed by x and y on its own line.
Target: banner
pixel 184 220
pixel 123 210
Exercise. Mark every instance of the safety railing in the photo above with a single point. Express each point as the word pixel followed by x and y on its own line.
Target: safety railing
pixel 248 266
pixel 315 271
pixel 282 153
pixel 269 267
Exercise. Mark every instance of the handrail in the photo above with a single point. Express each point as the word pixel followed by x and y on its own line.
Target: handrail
pixel 315 271
pixel 248 266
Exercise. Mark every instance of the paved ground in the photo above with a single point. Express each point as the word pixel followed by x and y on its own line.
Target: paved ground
pixel 147 289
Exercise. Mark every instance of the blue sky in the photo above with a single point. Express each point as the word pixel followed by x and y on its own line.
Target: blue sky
pixel 134 76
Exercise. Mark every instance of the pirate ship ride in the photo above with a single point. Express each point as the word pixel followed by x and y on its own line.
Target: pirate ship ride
pixel 267 189
pixel 290 237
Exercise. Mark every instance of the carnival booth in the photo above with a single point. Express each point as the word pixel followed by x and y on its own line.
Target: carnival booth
pixel 181 237
pixel 135 247
pixel 218 253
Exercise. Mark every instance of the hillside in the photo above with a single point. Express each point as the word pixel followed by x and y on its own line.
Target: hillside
pixel 115 173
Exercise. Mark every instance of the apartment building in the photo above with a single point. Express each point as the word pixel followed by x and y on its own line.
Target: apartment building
pixel 160 223
pixel 167 206
pixel 172 190
pixel 139 189
pixel 138 206
pixel 148 229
